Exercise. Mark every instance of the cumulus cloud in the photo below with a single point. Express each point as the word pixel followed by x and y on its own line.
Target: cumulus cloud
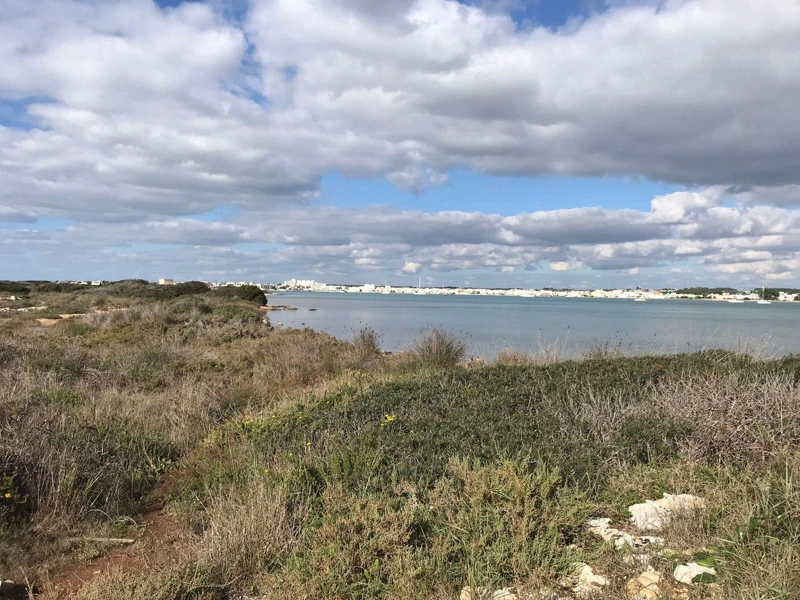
pixel 560 265
pixel 137 117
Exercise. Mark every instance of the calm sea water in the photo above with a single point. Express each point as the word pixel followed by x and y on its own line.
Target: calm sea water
pixel 568 326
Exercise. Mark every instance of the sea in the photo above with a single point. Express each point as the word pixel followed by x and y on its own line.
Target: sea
pixel 550 327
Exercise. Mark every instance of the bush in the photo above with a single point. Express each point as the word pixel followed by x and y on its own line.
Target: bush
pixel 366 344
pixel 189 288
pixel 14 287
pixel 59 287
pixel 249 293
pixel 504 522
pixel 440 349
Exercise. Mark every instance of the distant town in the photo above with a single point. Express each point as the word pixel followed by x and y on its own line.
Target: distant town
pixel 720 294
pixel 764 295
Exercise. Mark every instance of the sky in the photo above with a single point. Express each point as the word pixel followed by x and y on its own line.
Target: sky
pixel 497 143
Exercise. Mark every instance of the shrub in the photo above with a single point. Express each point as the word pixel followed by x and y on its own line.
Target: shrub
pixel 366 344
pixel 249 293
pixel 58 287
pixel 362 549
pixel 189 288
pixel 503 522
pixel 14 287
pixel 439 349
pixel 241 314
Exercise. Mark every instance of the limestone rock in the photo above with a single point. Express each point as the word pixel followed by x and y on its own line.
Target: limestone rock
pixel 645 586
pixel 601 527
pixel 588 582
pixel 485 594
pixel 653 515
pixel 686 573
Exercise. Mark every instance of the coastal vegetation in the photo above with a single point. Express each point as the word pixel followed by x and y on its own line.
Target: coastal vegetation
pixel 247 461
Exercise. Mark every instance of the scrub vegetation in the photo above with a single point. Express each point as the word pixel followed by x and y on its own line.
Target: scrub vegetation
pixel 294 465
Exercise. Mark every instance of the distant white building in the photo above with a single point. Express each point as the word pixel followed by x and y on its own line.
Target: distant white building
pixel 166 282
pixel 303 284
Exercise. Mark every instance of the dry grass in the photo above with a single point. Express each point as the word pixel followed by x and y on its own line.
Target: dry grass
pixel 439 349
pixel 515 358
pixel 740 420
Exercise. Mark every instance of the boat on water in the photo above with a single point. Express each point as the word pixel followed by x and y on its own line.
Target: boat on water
pixel 640 299
pixel 763 300
pixel 735 301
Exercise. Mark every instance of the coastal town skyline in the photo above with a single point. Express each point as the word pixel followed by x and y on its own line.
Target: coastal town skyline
pixel 664 293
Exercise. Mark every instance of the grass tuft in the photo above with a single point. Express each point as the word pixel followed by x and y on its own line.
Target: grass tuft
pixel 439 349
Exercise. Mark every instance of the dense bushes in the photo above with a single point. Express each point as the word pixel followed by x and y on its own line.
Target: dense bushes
pixel 57 287
pixel 139 288
pixel 14 287
pixel 249 293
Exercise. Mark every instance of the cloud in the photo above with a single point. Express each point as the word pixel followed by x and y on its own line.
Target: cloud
pixel 143 117
pixel 560 266
pixel 146 111
pixel 10 215
pixel 410 267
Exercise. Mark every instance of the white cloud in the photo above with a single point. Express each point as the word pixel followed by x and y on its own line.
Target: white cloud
pixel 560 266
pixel 410 267
pixel 145 116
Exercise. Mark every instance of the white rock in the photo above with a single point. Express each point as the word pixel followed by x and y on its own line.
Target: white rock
pixel 485 594
pixel 619 538
pixel 589 583
pixel 645 586
pixel 653 515
pixel 686 573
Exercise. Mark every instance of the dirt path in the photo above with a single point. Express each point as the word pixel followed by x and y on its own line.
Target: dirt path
pixel 158 544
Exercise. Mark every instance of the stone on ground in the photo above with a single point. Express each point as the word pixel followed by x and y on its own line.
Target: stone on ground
pixel 485 594
pixel 588 584
pixel 686 573
pixel 654 515
pixel 645 586
pixel 620 539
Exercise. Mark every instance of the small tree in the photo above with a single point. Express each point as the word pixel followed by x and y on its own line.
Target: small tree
pixel 797 298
